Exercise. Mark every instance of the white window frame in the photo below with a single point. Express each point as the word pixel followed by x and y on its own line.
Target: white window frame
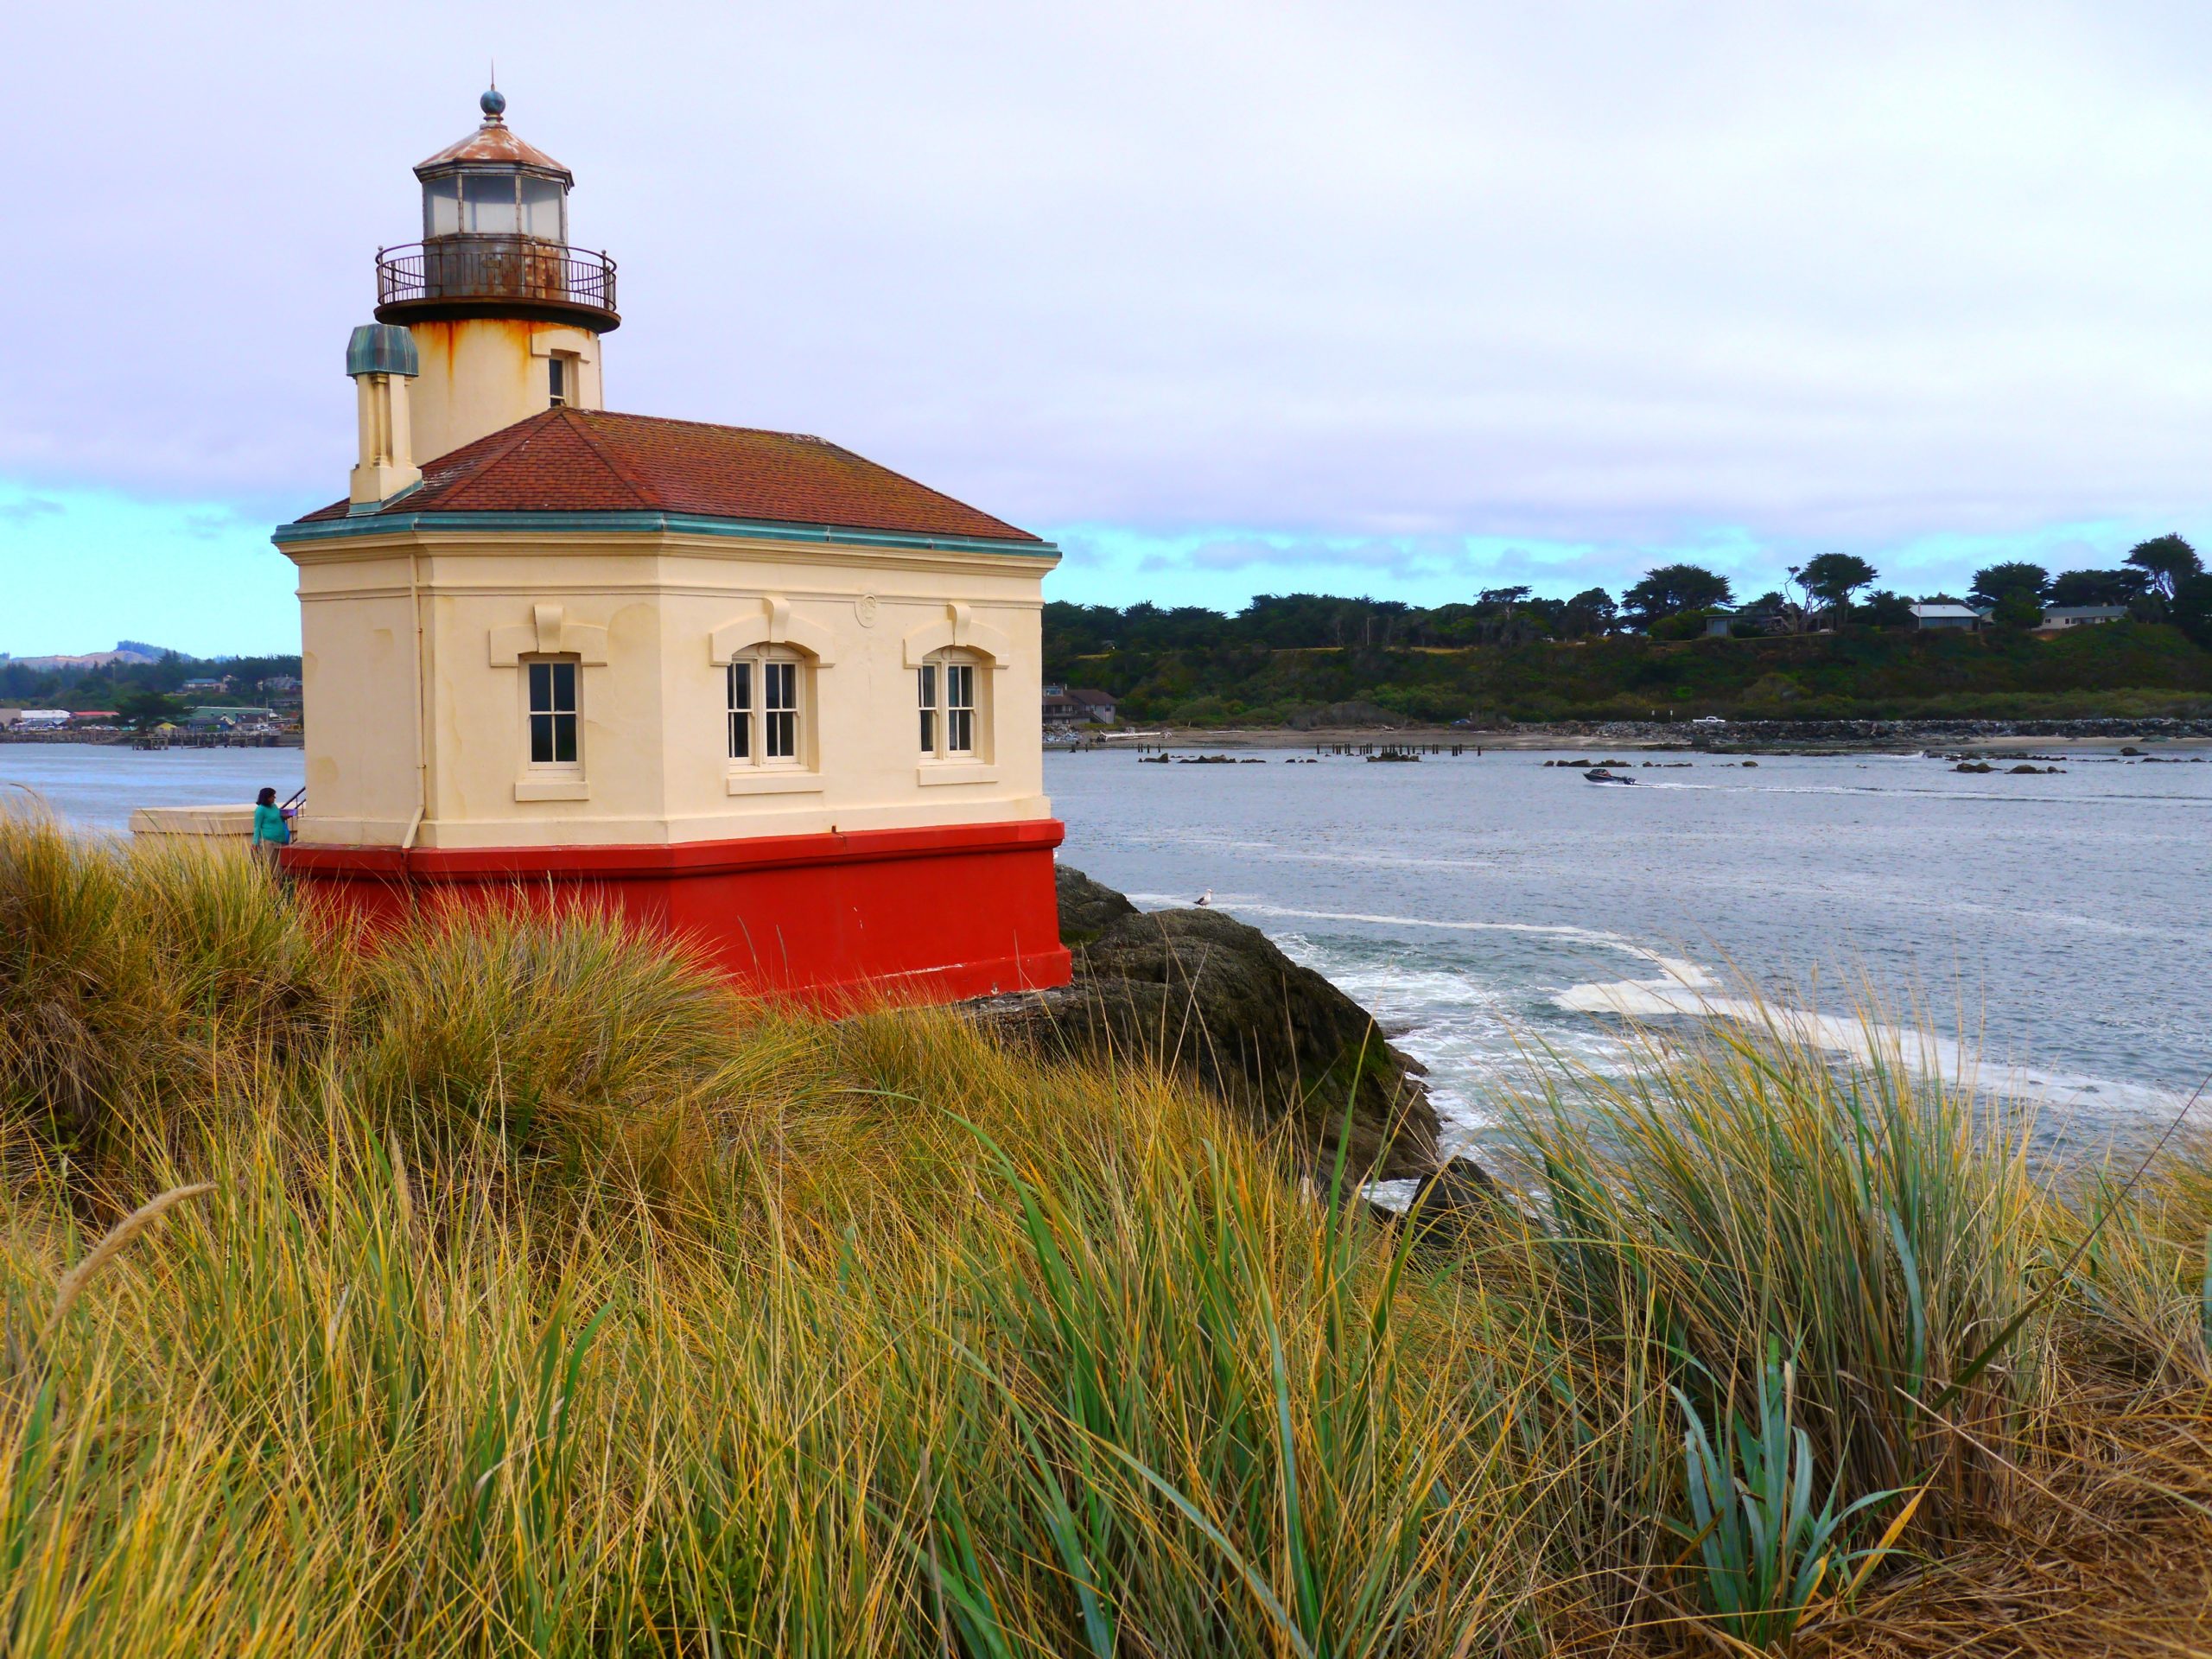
pixel 552 779
pixel 952 695
pixel 761 726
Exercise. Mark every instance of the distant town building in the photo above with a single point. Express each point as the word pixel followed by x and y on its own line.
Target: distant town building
pixel 744 685
pixel 212 682
pixel 34 719
pixel 2060 617
pixel 1066 706
pixel 1945 615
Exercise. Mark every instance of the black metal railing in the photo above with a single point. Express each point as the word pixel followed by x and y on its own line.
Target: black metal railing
pixel 494 268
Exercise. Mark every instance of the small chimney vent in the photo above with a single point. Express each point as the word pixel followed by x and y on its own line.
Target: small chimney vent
pixel 382 359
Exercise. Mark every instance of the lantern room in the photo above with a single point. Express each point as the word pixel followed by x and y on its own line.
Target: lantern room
pixel 493 184
pixel 506 316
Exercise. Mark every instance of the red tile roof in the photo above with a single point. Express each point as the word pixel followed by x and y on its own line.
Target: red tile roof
pixel 591 461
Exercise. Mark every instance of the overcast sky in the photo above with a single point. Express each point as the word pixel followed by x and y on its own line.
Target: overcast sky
pixel 1399 298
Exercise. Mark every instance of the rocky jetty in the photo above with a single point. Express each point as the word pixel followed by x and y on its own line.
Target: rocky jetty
pixel 1212 998
pixel 1862 733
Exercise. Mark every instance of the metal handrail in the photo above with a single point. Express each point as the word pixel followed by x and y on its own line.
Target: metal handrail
pixel 494 268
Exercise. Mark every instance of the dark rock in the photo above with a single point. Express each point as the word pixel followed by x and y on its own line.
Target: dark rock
pixel 1204 995
pixel 1973 765
pixel 1451 1203
pixel 1088 908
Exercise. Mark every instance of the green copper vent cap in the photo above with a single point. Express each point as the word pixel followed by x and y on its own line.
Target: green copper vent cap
pixel 382 348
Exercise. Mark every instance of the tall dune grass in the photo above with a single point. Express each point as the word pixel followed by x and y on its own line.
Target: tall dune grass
pixel 547 1298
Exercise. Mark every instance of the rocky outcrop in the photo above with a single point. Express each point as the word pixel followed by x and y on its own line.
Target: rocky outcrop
pixel 1205 994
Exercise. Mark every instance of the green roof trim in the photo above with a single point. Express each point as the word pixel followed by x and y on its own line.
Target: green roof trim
pixel 681 524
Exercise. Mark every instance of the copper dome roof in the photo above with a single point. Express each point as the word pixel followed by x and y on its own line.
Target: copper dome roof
pixel 493 143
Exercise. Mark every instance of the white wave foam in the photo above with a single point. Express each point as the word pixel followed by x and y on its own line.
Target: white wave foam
pixel 1865 1043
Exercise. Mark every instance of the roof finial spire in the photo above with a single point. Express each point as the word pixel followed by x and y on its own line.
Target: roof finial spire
pixel 494 102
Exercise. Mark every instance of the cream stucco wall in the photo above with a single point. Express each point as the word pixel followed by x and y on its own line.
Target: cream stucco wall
pixel 483 373
pixel 643 612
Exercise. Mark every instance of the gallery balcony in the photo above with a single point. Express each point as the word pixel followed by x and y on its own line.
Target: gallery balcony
pixel 455 277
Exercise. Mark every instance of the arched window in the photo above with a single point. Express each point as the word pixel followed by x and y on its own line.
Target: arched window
pixel 770 692
pixel 948 690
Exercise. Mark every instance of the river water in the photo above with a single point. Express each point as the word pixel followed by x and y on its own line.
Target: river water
pixel 2053 933
pixel 2056 931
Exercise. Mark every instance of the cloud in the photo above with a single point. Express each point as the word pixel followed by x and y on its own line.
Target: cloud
pixel 28 509
pixel 1385 290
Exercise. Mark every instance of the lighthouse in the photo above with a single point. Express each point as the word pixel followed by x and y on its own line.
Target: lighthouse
pixel 744 686
pixel 505 316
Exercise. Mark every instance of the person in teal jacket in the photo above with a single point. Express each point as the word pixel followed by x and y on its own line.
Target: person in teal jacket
pixel 271 828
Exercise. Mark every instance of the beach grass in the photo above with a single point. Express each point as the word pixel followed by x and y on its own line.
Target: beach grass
pixel 515 1287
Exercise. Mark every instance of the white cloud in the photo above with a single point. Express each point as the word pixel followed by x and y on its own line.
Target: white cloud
pixel 1596 278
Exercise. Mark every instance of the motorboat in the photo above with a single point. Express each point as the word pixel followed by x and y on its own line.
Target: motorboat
pixel 1599 775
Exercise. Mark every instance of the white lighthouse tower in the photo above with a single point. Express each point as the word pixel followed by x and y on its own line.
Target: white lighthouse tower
pixel 506 317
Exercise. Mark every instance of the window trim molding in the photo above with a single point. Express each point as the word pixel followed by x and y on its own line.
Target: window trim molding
pixel 549 634
pixel 962 771
pixel 773 624
pixel 958 627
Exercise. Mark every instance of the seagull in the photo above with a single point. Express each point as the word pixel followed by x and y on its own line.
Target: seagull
pixel 1205 898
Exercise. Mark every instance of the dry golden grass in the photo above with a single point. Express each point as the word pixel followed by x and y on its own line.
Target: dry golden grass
pixel 545 1298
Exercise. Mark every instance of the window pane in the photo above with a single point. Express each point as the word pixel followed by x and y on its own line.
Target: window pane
pixel 556 379
pixel 541 209
pixel 780 704
pixel 925 681
pixel 552 714
pixel 491 203
pixel 441 207
pixel 740 711
pixel 960 708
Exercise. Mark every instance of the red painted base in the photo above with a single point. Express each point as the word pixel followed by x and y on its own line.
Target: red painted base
pixel 930 915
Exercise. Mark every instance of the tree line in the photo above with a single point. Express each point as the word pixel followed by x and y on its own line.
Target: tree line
pixel 2160 580
pixel 142 693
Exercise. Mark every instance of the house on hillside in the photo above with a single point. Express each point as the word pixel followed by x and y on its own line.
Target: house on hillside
pixel 2059 618
pixel 1945 615
pixel 1072 706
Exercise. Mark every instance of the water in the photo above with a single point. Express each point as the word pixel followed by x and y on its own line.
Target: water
pixel 2054 929
pixel 2059 924
pixel 98 785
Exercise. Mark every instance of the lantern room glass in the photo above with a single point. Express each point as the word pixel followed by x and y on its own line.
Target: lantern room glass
pixel 501 203
pixel 545 209
pixel 441 206
pixel 488 206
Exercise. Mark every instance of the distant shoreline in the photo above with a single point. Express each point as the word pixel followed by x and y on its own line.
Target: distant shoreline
pixel 1751 737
